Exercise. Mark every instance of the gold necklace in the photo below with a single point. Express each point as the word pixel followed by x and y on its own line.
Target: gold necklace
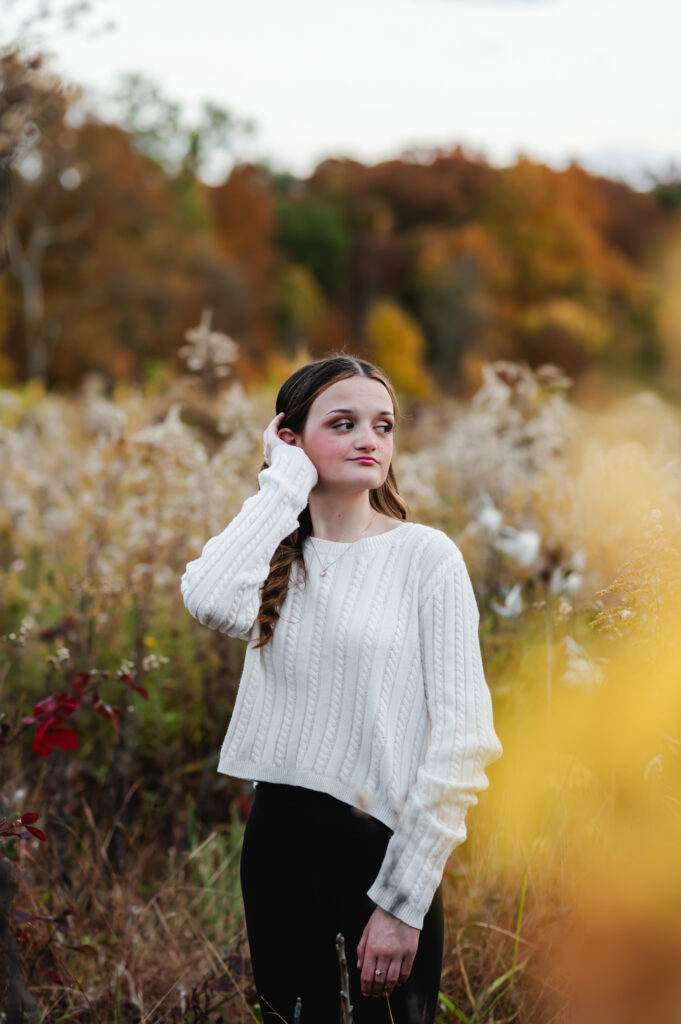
pixel 325 568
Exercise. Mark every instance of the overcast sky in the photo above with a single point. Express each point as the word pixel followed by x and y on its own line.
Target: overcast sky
pixel 593 80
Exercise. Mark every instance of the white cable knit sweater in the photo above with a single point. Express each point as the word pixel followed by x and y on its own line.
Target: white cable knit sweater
pixel 372 687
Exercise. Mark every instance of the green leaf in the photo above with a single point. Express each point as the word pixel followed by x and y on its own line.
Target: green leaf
pixel 447 1003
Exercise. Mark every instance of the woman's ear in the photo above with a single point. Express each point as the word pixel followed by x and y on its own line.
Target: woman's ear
pixel 287 435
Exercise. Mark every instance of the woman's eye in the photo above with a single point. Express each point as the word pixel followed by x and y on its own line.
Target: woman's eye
pixel 346 423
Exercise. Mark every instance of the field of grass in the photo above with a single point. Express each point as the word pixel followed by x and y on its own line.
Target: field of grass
pixel 563 905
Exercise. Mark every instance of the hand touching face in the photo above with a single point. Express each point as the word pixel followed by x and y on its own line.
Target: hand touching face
pixel 349 434
pixel 270 437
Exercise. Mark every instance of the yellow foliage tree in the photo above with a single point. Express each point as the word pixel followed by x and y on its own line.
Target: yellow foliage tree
pixel 588 332
pixel 397 344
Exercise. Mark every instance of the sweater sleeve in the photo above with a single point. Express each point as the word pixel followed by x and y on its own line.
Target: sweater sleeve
pixel 461 742
pixel 222 587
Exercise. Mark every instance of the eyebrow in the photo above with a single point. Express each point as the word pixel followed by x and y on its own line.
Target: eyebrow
pixel 385 413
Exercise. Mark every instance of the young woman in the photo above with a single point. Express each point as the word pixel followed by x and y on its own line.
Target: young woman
pixel 362 714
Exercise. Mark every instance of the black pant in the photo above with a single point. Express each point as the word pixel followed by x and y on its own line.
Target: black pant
pixel 306 863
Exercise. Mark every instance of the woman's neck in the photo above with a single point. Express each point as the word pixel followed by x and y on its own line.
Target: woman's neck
pixel 344 522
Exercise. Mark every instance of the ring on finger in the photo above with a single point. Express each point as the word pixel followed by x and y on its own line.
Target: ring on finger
pixel 380 979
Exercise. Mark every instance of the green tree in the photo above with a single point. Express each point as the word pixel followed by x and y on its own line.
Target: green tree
pixel 298 304
pixel 312 233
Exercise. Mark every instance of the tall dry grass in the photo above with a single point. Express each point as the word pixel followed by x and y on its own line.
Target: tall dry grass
pixel 562 904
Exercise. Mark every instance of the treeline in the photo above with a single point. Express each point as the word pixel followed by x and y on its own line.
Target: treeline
pixel 429 266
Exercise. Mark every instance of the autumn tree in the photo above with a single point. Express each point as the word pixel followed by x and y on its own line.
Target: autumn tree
pixel 243 218
pixel 578 288
pixel 398 345
pixel 112 253
pixel 460 286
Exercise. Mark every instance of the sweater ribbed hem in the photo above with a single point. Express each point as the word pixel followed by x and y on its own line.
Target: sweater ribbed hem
pixel 352 795
pixel 394 903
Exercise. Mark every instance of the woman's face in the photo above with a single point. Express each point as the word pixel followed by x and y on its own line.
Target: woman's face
pixel 350 419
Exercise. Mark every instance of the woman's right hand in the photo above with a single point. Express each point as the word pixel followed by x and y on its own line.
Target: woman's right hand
pixel 270 437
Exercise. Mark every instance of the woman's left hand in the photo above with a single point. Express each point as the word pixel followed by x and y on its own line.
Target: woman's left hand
pixel 389 946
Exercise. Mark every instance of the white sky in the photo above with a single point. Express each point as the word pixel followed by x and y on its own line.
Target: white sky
pixel 593 80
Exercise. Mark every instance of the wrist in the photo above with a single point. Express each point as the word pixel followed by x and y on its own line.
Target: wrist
pixel 379 911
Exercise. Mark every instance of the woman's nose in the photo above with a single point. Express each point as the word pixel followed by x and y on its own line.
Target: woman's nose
pixel 366 438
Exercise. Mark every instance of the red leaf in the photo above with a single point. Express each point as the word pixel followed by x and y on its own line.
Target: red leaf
pixel 41 742
pixel 29 818
pixel 37 832
pixel 63 627
pixel 125 677
pixel 47 704
pixel 65 739
pixel 106 711
pixel 79 682
pixel 62 703
pixel 139 689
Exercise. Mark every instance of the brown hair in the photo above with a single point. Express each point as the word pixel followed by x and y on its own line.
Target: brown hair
pixel 295 397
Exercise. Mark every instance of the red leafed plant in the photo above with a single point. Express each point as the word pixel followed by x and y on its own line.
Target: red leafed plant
pixel 52 712
pixel 19 826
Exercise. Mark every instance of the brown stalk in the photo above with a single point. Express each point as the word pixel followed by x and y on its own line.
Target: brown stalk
pixel 346 1005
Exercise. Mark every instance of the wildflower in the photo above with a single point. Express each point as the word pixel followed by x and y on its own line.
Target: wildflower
pixel 565 581
pixel 152 661
pixel 569 578
pixel 105 419
pixel 581 670
pixel 489 515
pixel 28 623
pixel 60 656
pixel 513 603
pixel 521 545
pixel 207 348
pixel 167 432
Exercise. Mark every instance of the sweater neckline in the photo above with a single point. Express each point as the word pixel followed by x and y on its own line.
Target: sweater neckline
pixel 332 547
